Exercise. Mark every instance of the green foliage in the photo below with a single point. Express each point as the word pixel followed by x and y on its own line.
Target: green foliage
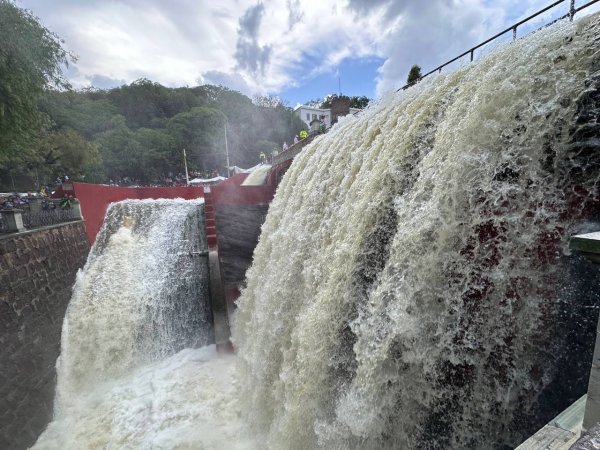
pixel 414 74
pixel 200 131
pixel 79 112
pixel 66 152
pixel 31 58
pixel 144 101
pixel 355 101
pixel 141 129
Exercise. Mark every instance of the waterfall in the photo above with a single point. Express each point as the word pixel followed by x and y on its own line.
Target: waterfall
pixel 140 300
pixel 410 286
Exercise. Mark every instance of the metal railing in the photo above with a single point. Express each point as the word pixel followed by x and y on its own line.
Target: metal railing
pixel 47 217
pixel 571 14
pixel 49 212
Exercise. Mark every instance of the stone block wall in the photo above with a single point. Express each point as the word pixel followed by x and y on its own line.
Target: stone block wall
pixel 37 272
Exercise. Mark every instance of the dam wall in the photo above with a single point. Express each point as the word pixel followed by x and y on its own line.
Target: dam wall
pixel 95 199
pixel 37 272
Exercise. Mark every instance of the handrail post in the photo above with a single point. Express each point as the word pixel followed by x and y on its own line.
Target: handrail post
pixel 472 50
pixel 13 220
pixel 572 10
pixel 35 205
pixel 76 207
pixel 515 33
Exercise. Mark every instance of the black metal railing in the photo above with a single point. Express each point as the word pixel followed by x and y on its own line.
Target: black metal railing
pixel 47 217
pixel 49 212
pixel 513 28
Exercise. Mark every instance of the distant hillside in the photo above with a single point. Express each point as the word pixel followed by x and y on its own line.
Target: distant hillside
pixel 139 131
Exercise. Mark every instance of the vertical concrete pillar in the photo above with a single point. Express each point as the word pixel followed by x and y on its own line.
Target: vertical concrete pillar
pixel 35 205
pixel 13 219
pixel 76 207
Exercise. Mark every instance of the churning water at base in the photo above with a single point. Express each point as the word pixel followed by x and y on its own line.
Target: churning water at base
pixel 410 289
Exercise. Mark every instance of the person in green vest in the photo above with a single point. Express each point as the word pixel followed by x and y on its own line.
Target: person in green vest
pixel 263 157
pixel 65 202
pixel 303 134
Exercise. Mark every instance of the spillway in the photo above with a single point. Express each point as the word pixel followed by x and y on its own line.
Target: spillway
pixel 141 298
pixel 412 287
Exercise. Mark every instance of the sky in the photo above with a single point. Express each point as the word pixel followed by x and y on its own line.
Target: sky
pixel 297 50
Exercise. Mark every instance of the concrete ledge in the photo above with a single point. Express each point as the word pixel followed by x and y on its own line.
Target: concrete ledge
pixel 560 433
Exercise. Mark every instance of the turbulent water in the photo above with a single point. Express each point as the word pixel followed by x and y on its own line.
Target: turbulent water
pixel 141 297
pixel 409 289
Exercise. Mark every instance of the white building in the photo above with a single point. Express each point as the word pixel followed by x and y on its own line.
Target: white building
pixel 310 113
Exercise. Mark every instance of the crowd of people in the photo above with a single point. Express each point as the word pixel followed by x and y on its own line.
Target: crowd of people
pixel 164 181
pixel 13 201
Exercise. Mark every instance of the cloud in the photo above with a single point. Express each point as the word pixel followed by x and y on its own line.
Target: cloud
pixel 251 56
pixel 250 21
pixel 231 80
pixel 103 82
pixel 430 33
pixel 261 48
pixel 295 13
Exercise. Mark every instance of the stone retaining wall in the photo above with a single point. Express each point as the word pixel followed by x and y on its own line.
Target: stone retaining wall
pixel 37 272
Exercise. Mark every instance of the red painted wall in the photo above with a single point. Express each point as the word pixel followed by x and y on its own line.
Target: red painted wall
pixel 95 198
pixel 229 192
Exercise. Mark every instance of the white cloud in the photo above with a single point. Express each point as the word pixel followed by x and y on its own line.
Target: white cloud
pixel 266 46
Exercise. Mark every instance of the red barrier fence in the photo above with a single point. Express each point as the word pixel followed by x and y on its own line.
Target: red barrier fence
pixel 95 199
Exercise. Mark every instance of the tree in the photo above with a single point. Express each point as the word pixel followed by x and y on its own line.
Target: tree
pixel 200 132
pixel 160 153
pixel 414 75
pixel 355 101
pixel 78 111
pixel 31 59
pixel 66 152
pixel 359 102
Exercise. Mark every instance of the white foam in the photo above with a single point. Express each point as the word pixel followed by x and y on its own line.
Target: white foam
pixel 186 401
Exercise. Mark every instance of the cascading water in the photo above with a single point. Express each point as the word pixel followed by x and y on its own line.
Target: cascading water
pixel 408 289
pixel 141 297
